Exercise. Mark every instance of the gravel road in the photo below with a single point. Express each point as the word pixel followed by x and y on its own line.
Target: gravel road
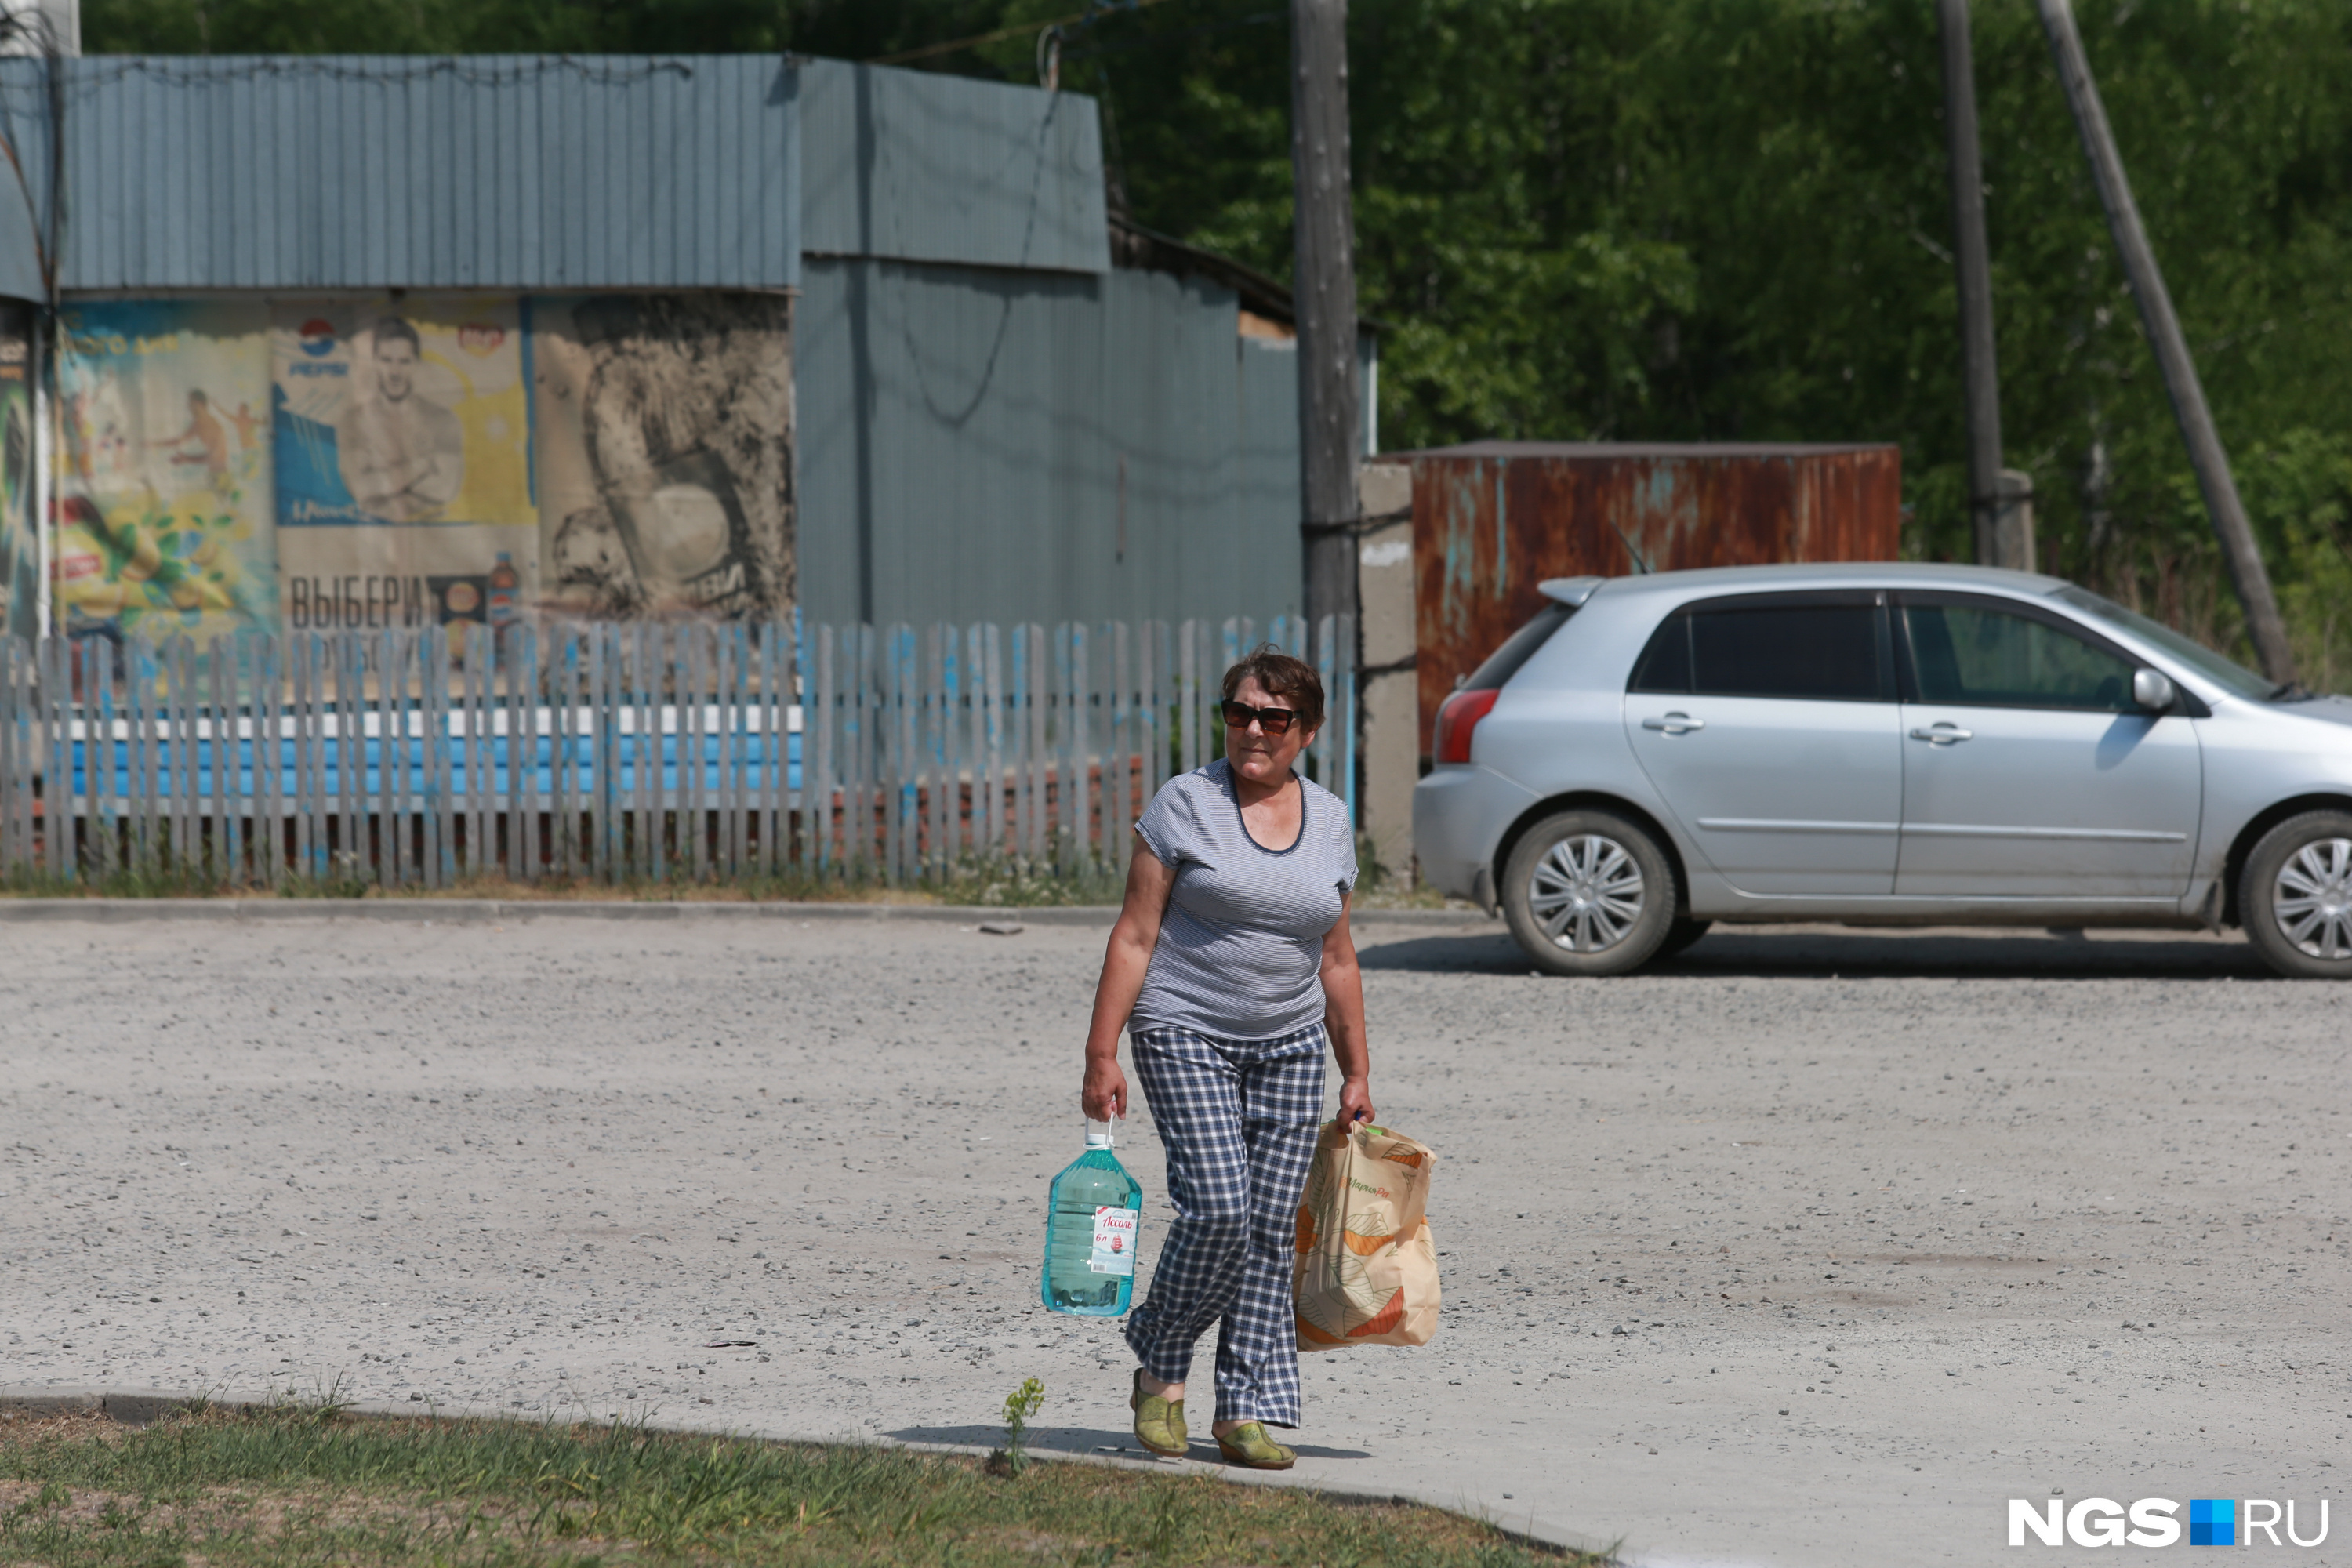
pixel 1812 1248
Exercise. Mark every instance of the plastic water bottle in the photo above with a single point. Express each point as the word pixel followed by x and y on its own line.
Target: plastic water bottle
pixel 1093 1218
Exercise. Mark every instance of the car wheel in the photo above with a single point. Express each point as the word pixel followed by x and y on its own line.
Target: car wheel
pixel 2296 896
pixel 1587 892
pixel 1681 934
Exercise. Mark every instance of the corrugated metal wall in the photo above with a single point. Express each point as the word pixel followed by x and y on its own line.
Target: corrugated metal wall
pixel 507 171
pixel 1493 519
pixel 24 187
pixel 964 434
pixel 321 172
pixel 919 166
pixel 992 423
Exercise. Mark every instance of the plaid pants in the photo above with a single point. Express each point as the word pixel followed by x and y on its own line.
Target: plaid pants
pixel 1238 1119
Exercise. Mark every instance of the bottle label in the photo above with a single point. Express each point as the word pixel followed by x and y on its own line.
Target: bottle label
pixel 1115 1233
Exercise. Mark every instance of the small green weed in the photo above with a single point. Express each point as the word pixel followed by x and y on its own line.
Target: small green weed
pixel 1168 1520
pixel 346 877
pixel 324 1403
pixel 1019 1406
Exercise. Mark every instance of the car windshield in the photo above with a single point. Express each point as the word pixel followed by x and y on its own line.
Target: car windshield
pixel 2234 677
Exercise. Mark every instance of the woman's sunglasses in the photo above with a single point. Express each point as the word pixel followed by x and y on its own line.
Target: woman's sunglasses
pixel 1273 721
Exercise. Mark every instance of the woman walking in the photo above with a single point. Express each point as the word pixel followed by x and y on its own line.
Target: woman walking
pixel 1232 970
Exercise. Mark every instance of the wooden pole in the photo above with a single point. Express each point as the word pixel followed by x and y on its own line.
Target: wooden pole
pixel 1980 373
pixel 2247 574
pixel 1329 398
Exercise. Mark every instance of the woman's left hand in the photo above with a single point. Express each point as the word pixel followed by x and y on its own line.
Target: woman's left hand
pixel 1343 1016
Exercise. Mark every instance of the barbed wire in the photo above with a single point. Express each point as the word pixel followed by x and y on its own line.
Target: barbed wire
pixel 89 72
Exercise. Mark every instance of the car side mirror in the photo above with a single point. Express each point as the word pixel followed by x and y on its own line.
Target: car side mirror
pixel 2152 689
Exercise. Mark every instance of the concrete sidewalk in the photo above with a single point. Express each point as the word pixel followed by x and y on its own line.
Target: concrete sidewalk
pixel 1813 1249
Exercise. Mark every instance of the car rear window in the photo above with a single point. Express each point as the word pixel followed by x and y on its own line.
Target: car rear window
pixel 1519 647
pixel 1817 649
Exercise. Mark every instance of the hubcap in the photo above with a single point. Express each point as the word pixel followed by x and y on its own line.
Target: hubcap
pixel 2313 898
pixel 1586 893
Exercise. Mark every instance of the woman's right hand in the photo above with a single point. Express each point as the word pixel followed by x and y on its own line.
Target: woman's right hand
pixel 1104 1093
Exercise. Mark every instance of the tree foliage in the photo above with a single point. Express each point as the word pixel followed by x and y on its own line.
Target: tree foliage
pixel 1686 219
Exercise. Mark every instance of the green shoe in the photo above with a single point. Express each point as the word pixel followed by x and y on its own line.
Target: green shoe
pixel 1249 1447
pixel 1159 1422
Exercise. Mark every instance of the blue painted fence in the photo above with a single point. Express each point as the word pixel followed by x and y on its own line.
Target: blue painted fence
pixel 615 754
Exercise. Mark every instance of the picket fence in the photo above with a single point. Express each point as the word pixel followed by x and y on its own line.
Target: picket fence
pixel 639 752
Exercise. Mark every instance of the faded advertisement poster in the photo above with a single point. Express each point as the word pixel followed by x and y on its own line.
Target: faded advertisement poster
pixel 403 460
pixel 162 478
pixel 20 554
pixel 664 453
pixel 402 431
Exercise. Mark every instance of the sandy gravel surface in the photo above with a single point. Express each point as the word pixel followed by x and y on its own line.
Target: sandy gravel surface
pixel 1811 1250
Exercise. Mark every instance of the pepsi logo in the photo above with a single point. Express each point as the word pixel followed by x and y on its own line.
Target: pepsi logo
pixel 316 337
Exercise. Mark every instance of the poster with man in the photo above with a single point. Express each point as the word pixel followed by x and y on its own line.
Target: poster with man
pixel 403 461
pixel 401 454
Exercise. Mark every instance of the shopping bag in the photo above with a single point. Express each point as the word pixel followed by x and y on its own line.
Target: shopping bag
pixel 1366 1269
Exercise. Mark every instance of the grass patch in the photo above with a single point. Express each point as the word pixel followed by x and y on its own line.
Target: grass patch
pixel 989 880
pixel 297 1486
pixel 990 884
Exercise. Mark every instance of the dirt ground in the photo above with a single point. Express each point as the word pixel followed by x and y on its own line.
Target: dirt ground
pixel 1814 1247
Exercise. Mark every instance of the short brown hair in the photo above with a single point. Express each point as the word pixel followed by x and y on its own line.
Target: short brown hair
pixel 1291 678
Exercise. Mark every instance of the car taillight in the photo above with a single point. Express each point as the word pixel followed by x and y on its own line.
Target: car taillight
pixel 1457 718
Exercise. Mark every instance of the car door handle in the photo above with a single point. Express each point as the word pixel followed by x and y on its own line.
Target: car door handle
pixel 1674 723
pixel 1941 734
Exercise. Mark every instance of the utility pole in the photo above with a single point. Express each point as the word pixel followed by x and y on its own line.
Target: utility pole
pixel 1981 373
pixel 2247 574
pixel 1323 290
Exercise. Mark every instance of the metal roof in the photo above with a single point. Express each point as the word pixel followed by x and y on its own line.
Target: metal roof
pixel 920 166
pixel 296 172
pixel 341 171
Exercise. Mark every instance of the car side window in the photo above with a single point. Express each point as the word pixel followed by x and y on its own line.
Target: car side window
pixel 1664 665
pixel 1822 652
pixel 1976 656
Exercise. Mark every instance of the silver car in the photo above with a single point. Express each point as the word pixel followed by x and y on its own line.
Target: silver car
pixel 1880 742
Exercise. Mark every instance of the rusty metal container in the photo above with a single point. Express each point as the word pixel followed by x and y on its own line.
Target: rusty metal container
pixel 1493 519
